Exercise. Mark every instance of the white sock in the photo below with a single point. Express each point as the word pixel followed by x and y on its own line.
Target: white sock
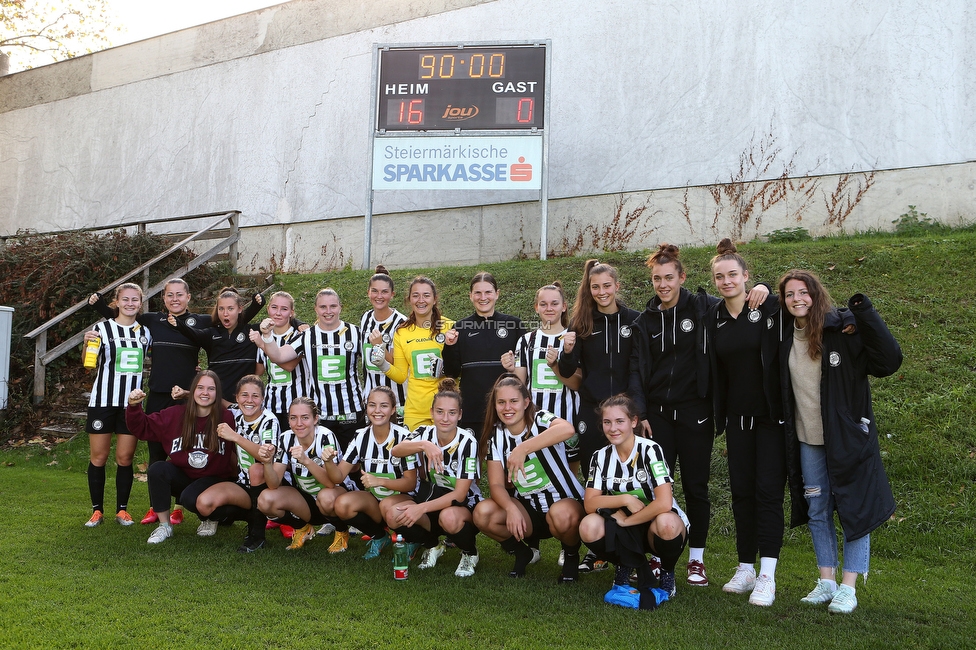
pixel 695 554
pixel 767 566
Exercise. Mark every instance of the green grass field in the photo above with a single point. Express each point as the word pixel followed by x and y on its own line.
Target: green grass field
pixel 67 586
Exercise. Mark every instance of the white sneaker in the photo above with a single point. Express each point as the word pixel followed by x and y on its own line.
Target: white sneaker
pixel 562 558
pixel 207 528
pixel 537 555
pixel 742 582
pixel 430 557
pixel 161 534
pixel 765 592
pixel 466 566
pixel 822 593
pixel 328 529
pixel 844 601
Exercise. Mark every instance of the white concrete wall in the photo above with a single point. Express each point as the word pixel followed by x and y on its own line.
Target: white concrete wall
pixel 270 114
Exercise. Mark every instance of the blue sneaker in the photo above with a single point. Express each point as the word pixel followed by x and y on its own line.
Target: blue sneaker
pixel 623 596
pixel 412 549
pixel 376 546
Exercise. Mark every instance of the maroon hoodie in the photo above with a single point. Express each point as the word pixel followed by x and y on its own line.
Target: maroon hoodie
pixel 165 427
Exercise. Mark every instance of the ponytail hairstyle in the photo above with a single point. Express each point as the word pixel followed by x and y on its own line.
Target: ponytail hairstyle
pixel 128 285
pixel 727 252
pixel 226 292
pixel 381 275
pixel 190 414
pixel 581 319
pixel 621 400
pixel 447 387
pixel 491 414
pixel 555 286
pixel 435 310
pixel 667 254
pixel 822 305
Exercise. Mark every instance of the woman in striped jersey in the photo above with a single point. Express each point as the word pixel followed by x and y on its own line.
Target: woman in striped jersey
pixel 535 361
pixel 377 327
pixel 230 352
pixel 331 352
pixel 301 451
pixel 534 493
pixel 630 502
pixel 417 346
pixel 255 427
pixel 119 371
pixel 385 478
pixel 449 489
pixel 288 380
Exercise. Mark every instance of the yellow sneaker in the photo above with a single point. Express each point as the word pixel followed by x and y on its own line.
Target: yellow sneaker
pixel 301 536
pixel 124 518
pixel 340 542
pixel 95 520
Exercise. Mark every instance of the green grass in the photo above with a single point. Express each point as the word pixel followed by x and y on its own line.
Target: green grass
pixel 66 586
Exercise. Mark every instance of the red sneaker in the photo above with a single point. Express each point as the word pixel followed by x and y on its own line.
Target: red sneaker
pixel 271 525
pixel 176 517
pixel 286 531
pixel 150 517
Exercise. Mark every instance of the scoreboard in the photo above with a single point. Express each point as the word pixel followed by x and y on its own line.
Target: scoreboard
pixel 462 87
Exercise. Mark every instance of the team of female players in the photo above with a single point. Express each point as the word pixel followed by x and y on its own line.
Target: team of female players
pixel 314 448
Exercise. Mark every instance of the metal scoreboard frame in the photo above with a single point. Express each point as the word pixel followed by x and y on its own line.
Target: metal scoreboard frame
pixel 482 91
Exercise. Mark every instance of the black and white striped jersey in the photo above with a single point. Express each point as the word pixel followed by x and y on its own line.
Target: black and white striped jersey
pixel 548 392
pixel 460 458
pixel 638 475
pixel 263 430
pixel 331 359
pixel 375 458
pixel 121 358
pixel 302 478
pixel 374 376
pixel 547 477
pixel 283 385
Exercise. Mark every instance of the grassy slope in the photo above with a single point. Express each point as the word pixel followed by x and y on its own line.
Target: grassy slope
pixel 67 586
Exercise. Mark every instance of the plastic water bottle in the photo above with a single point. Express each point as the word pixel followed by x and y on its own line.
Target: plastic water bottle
pixel 401 559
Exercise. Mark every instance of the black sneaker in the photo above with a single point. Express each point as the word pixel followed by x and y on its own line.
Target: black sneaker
pixel 251 544
pixel 621 575
pixel 667 583
pixel 591 563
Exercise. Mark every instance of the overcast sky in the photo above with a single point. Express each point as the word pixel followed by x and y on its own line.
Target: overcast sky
pixel 147 18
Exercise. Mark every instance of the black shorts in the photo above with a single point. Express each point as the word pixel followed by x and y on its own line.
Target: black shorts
pixel 540 527
pixel 317 518
pixel 428 492
pixel 106 419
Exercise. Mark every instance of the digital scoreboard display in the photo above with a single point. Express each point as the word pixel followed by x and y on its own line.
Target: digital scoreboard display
pixel 469 88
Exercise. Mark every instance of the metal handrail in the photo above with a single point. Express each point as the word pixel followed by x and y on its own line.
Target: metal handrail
pixel 43 356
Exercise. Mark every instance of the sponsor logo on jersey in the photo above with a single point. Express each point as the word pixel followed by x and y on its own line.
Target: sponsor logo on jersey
pixel 721 323
pixel 128 361
pixel 834 359
pixel 544 377
pixel 277 374
pixel 659 469
pixel 470 465
pixel 532 478
pixel 331 368
pixel 687 325
pixel 625 332
pixel 754 315
pixel 423 361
